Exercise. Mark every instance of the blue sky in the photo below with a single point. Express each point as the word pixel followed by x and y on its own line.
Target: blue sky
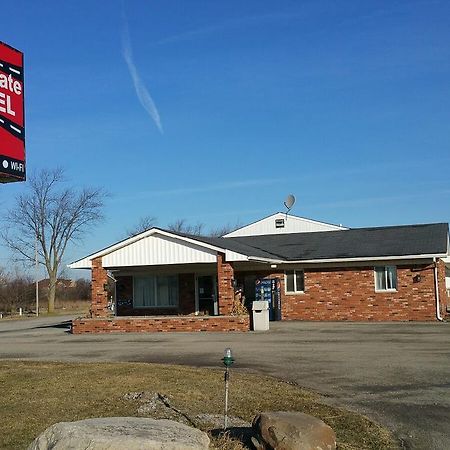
pixel 215 111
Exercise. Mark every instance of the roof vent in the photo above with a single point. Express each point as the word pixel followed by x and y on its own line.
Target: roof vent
pixel 279 223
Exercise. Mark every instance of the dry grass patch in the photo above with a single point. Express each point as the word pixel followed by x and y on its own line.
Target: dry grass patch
pixel 36 395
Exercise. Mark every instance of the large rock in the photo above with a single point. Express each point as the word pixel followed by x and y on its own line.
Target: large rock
pixel 292 431
pixel 119 433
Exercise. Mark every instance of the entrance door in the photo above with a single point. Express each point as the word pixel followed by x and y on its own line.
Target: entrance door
pixel 249 289
pixel 207 295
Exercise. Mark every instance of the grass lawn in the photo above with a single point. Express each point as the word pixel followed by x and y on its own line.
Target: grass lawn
pixel 35 395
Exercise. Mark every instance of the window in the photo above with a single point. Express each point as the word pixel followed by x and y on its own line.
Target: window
pixel 155 291
pixel 294 281
pixel 386 278
pixel 279 223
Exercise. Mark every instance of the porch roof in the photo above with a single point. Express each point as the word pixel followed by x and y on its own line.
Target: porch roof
pixel 157 246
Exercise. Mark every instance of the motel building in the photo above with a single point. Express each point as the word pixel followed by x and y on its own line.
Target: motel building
pixel 308 270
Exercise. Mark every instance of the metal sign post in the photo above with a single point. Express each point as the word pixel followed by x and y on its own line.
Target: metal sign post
pixel 227 361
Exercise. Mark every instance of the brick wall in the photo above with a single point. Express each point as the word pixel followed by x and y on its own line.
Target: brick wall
pixel 160 324
pixel 99 298
pixel 349 294
pixel 225 277
pixel 330 294
pixel 443 297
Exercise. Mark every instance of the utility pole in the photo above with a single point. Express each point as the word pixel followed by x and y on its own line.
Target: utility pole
pixel 37 276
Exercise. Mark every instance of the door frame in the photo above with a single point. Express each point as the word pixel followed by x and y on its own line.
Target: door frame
pixel 215 296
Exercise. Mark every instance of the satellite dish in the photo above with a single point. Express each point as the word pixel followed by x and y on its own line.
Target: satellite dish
pixel 289 202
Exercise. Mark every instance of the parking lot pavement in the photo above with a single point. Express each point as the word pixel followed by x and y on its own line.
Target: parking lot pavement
pixel 396 373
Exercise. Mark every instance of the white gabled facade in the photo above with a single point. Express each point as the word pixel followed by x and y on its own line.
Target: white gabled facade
pixel 158 250
pixel 283 223
pixel 156 247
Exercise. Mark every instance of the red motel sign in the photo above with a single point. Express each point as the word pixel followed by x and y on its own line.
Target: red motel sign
pixel 12 115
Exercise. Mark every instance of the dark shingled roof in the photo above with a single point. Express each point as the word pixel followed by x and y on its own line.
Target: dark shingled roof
pixel 229 244
pixel 428 239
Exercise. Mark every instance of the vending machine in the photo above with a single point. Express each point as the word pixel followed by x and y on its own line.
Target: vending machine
pixel 269 289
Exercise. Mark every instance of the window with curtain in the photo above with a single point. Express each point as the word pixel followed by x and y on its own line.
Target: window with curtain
pixel 386 278
pixel 155 291
pixel 294 281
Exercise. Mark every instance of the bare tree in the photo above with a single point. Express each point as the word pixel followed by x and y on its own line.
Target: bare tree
pixel 224 229
pixel 181 226
pixel 83 289
pixel 144 224
pixel 51 215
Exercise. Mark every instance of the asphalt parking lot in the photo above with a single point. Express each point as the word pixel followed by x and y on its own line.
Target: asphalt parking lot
pixel 396 373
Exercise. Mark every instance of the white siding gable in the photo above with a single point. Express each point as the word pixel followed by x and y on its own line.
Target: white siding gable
pixel 156 247
pixel 292 224
pixel 158 250
pixel 84 263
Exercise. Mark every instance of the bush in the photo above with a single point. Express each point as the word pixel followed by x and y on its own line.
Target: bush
pixel 16 291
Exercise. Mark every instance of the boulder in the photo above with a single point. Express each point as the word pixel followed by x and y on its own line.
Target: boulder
pixel 119 433
pixel 284 430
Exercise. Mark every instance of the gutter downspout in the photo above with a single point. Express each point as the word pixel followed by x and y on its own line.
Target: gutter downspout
pixel 436 287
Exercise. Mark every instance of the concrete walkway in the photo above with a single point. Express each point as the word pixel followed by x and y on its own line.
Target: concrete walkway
pixel 397 374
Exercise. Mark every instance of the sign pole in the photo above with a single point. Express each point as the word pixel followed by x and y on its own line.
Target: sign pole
pixel 37 277
pixel 228 360
pixel 225 416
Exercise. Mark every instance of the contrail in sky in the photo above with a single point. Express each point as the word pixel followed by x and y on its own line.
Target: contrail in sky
pixel 238 184
pixel 141 91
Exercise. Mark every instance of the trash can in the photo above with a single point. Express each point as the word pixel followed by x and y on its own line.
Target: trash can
pixel 260 315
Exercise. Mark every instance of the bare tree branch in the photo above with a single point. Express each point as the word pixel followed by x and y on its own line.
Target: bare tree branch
pixel 53 215
pixel 144 224
pixel 181 226
pixel 224 229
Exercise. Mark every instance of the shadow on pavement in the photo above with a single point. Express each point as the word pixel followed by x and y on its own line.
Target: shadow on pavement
pixel 66 324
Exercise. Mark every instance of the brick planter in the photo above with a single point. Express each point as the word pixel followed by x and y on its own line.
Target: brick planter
pixel 160 324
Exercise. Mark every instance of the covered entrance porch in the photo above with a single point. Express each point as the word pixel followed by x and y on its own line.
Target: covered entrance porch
pixel 196 297
pixel 187 290
pixel 163 282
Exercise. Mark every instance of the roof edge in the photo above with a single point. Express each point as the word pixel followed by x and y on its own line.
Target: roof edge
pixel 150 232
pixel 356 259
